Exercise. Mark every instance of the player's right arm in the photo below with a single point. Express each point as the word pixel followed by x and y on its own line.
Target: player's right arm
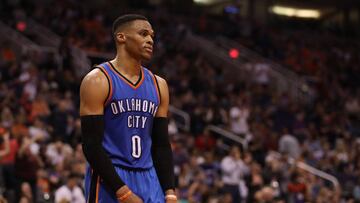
pixel 94 90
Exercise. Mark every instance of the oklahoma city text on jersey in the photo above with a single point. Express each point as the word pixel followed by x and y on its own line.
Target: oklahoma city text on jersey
pixel 134 105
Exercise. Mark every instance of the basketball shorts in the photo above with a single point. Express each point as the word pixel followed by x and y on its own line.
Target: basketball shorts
pixel 144 183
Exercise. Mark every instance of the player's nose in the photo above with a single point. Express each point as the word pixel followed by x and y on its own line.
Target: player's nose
pixel 150 41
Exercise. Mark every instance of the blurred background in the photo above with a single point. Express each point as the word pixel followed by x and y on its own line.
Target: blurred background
pixel 265 98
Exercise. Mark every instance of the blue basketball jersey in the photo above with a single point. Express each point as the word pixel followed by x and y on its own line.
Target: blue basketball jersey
pixel 128 113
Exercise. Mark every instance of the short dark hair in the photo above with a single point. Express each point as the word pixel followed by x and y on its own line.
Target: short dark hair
pixel 122 20
pixel 72 176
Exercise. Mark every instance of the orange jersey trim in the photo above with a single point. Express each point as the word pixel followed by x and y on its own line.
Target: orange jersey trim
pixel 110 86
pixel 156 86
pixel 97 189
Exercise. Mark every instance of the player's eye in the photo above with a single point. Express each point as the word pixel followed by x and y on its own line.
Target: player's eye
pixel 144 34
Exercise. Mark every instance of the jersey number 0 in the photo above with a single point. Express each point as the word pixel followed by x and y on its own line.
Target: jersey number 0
pixel 136 146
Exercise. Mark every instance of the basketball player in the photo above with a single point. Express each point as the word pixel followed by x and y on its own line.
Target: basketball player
pixel 123 109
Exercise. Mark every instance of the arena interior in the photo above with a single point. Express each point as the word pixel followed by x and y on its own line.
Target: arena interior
pixel 264 96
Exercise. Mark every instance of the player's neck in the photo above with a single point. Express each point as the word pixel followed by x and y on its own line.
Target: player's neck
pixel 126 65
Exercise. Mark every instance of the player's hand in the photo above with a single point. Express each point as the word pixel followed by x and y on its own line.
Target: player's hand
pixel 131 198
pixel 171 193
pixel 171 201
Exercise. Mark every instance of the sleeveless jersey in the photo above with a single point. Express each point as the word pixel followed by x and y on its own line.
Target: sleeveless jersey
pixel 128 116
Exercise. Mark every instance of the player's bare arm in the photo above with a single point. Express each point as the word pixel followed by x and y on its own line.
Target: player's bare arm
pixel 94 91
pixel 164 98
pixel 163 113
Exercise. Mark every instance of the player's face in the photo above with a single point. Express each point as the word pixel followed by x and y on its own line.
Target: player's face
pixel 139 40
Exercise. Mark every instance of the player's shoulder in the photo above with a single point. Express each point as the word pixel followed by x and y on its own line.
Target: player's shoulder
pixel 96 77
pixel 160 80
pixel 163 87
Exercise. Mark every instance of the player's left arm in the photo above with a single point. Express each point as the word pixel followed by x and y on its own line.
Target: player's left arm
pixel 161 149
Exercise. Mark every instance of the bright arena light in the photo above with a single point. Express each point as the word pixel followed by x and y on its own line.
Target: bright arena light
pixel 203 1
pixel 295 12
pixel 234 53
pixel 208 2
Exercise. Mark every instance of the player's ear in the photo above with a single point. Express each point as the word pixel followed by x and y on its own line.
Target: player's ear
pixel 120 37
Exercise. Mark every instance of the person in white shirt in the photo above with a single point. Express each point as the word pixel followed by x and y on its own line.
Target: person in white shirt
pixel 239 115
pixel 261 72
pixel 70 192
pixel 233 170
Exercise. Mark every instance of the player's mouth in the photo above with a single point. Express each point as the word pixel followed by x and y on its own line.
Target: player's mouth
pixel 149 49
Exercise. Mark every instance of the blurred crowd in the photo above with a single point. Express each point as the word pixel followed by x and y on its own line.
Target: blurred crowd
pixel 40 154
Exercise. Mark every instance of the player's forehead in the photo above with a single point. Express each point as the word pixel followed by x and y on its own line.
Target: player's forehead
pixel 138 25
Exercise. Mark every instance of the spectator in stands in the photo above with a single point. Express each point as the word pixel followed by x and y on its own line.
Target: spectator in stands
pixel 198 190
pixel 233 171
pixel 7 53
pixel 254 181
pixel 211 169
pixel 173 128
pixel 44 192
pixel 70 192
pixel 57 152
pixel 26 165
pixel 356 191
pixel 38 130
pixel 8 150
pixel 205 141
pixel 26 193
pixel 288 144
pixel 39 107
pixel 7 117
pixel 297 189
pixel 4 151
pixel 239 115
pixel 59 120
pixel 266 194
pixel 261 72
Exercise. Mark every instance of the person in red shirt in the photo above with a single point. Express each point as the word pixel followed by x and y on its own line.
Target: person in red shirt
pixel 8 150
pixel 7 53
pixel 297 189
pixel 205 141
